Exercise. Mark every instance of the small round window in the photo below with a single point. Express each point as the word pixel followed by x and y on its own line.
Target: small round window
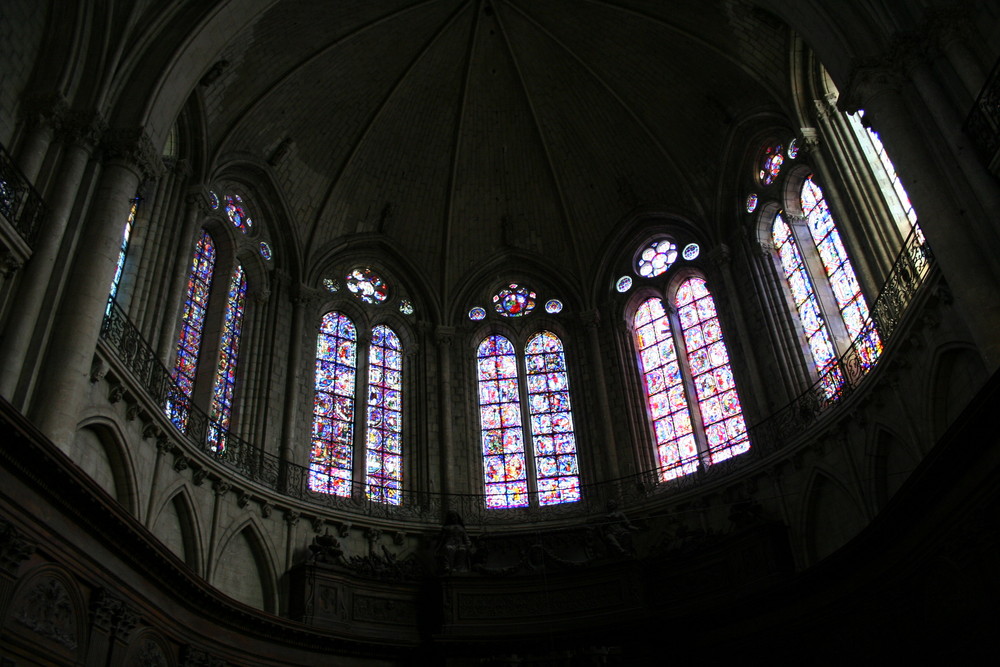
pixel 367 285
pixel 656 258
pixel 514 301
pixel 770 164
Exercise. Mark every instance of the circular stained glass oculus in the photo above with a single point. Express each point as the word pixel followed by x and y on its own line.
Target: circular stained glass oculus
pixel 331 285
pixel 367 285
pixel 477 313
pixel 691 251
pixel 405 307
pixel 265 250
pixel 514 301
pixel 237 214
pixel 624 284
pixel 656 258
pixel 793 149
pixel 553 306
pixel 770 164
pixel 752 202
pixel 213 200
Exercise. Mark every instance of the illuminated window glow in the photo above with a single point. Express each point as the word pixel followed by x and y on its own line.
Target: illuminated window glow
pixel 330 463
pixel 237 214
pixel 384 465
pixel 514 301
pixel 656 258
pixel 229 352
pixel 500 421
pixel 770 164
pixel 367 285
pixel 123 249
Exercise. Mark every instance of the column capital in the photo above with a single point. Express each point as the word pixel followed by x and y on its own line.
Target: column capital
pixel 81 128
pixel 43 109
pixel 132 148
pixel 444 336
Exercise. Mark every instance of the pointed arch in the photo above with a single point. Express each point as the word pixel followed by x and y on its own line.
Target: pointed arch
pixel 831 516
pixel 331 458
pixel 100 449
pixel 183 537
pixel 384 428
pixel 250 573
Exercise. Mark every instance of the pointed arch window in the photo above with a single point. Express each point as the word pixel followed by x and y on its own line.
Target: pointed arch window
pixel 123 250
pixel 189 340
pixel 509 476
pixel 839 272
pixel 690 390
pixel 383 480
pixel 225 374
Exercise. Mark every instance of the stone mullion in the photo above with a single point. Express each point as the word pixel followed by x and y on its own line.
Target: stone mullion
pixel 183 251
pixel 294 368
pixel 444 338
pixel 609 450
pixel 252 363
pixel 770 288
pixel 63 385
pixel 172 246
pixel 970 273
pixel 270 320
pixel 31 296
pixel 154 260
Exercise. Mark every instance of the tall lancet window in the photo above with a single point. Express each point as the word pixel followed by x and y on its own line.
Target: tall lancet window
pixel 330 463
pixel 192 325
pixel 500 420
pixel 549 408
pixel 123 249
pixel 807 306
pixel 384 467
pixel 225 374
pixel 839 272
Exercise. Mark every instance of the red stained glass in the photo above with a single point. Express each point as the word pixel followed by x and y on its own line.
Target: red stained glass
pixel 384 477
pixel 500 423
pixel 229 352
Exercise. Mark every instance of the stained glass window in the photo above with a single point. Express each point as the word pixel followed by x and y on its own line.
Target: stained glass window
pixel 367 285
pixel 331 284
pixel 843 282
pixel 807 306
pixel 229 352
pixel 691 251
pixel 237 214
pixel 793 149
pixel 123 249
pixel 192 324
pixel 553 306
pixel 330 463
pixel 656 258
pixel 265 250
pixel 500 421
pixel 770 164
pixel 751 203
pixel 213 200
pixel 708 360
pixel 477 313
pixel 676 450
pixel 383 481
pixel 551 420
pixel 406 306
pixel 624 284
pixel 514 301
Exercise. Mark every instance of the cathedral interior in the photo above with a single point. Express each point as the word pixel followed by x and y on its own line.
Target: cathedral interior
pixel 497 332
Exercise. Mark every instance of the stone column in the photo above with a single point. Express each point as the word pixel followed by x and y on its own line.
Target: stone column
pixel 45 112
pixel 80 133
pixel 178 268
pixel 291 406
pixel 444 337
pixel 592 323
pixel 971 275
pixel 64 383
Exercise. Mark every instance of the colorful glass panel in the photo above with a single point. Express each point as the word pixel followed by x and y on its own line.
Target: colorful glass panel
pixel 551 420
pixel 708 360
pixel 384 460
pixel 553 306
pixel 229 352
pixel 192 324
pixel 656 258
pixel 807 306
pixel 123 250
pixel 514 301
pixel 624 284
pixel 793 149
pixel 840 273
pixel 504 469
pixel 213 200
pixel 237 214
pixel 770 164
pixel 330 462
pixel 676 450
pixel 477 313
pixel 367 285
pixel 691 251
pixel 265 250
pixel 331 285
pixel 751 202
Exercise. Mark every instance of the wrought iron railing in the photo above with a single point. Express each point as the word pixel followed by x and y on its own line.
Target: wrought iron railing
pixel 767 437
pixel 20 203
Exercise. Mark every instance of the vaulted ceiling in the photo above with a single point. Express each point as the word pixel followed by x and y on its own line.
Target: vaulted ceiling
pixel 460 128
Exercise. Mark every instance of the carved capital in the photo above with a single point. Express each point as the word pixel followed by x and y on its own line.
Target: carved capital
pixel 721 255
pixel 180 462
pixel 810 138
pixel 132 148
pixel 81 128
pixel 444 336
pixel 163 446
pixel 14 547
pixel 265 509
pixel 43 109
pixel 591 319
pixel 221 487
pixel 869 79
pixel 291 518
pixel 9 263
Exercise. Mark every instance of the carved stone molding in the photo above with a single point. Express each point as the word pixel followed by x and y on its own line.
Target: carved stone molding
pixel 113 615
pixel 291 518
pixel 444 336
pixel 133 147
pixel 48 611
pixel 196 657
pixel 149 655
pixel 221 487
pixel 14 547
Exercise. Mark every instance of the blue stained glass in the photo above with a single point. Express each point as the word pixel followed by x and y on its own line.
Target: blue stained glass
pixel 123 249
pixel 229 352
pixel 770 164
pixel 237 214
pixel 330 462
pixel 514 301
pixel 664 391
pixel 192 324
pixel 504 473
pixel 711 372
pixel 384 472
